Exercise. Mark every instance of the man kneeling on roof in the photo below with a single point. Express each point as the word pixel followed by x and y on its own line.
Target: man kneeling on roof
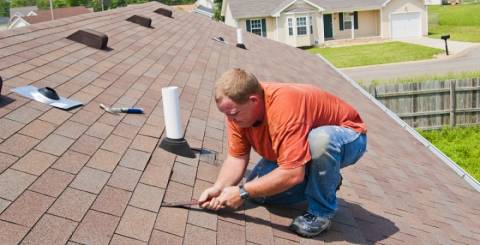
pixel 304 135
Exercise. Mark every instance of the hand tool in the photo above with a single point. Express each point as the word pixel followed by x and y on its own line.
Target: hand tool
pixel 184 204
pixel 113 110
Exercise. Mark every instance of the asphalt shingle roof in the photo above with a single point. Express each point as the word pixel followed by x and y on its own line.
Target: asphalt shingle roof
pixel 87 176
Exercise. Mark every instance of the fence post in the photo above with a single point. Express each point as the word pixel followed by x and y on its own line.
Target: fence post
pixel 453 103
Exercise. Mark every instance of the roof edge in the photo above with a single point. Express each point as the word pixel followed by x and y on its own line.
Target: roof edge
pixel 276 12
pixel 455 167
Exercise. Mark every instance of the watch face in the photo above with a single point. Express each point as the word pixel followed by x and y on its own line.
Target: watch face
pixel 243 193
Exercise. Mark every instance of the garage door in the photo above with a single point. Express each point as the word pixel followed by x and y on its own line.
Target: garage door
pixel 406 25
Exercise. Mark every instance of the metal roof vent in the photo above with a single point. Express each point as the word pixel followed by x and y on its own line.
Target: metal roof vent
pixel 164 12
pixel 141 20
pixel 240 39
pixel 90 38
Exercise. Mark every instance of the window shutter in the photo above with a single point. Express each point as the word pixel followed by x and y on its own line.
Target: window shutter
pixel 355 19
pixel 248 26
pixel 264 28
pixel 340 20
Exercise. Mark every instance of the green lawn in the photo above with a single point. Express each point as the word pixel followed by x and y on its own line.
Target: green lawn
pixel 370 54
pixel 462 22
pixel 462 145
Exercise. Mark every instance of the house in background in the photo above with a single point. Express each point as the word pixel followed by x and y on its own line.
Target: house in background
pixel 311 22
pixel 4 22
pixel 23 11
pixel 39 16
pixel 204 7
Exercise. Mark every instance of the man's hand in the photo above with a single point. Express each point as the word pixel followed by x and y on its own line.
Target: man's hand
pixel 230 197
pixel 208 199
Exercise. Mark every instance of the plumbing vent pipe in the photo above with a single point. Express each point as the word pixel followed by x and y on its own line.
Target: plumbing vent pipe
pixel 90 38
pixel 240 39
pixel 174 141
pixel 1 84
pixel 164 12
pixel 141 20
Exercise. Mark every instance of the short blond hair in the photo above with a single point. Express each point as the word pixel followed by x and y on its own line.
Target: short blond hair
pixel 237 84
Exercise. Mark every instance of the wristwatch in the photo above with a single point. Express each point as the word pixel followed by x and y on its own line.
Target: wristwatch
pixel 243 193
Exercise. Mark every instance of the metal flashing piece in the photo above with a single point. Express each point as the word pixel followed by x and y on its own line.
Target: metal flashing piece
pixel 90 38
pixel 47 96
pixel 141 20
pixel 165 12
pixel 177 146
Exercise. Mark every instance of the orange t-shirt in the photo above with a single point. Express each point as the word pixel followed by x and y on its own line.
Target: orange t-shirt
pixel 291 111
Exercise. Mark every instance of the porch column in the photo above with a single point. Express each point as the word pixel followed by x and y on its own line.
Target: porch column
pixel 353 25
pixel 276 28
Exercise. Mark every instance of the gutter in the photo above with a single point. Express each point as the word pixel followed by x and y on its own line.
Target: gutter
pixel 445 159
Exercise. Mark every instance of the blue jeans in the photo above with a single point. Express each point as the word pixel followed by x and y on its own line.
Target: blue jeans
pixel 332 148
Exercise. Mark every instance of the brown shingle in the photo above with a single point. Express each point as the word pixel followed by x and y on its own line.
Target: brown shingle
pixel 55 116
pixel 71 129
pixel 172 220
pixel 112 201
pixel 50 230
pixel 11 233
pixel 104 160
pixel 95 228
pixel 116 144
pixel 159 238
pixel 121 240
pixel 27 209
pixel 229 233
pixel 136 223
pixel 184 174
pixel 71 162
pixel 24 114
pixel 90 180
pixel 125 178
pixel 147 197
pixel 72 204
pixel 135 159
pixel 35 162
pixel 6 161
pixel 18 145
pixel 55 144
pixel 193 234
pixel 13 183
pixel 38 129
pixel 52 182
pixel 9 127
pixel 86 145
pixel 144 143
pixel 99 130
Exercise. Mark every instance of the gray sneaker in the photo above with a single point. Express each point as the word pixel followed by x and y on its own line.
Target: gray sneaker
pixel 309 225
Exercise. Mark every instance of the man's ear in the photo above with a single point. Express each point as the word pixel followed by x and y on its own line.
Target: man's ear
pixel 254 98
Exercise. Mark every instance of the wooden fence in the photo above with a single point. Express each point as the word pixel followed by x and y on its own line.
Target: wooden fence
pixel 433 104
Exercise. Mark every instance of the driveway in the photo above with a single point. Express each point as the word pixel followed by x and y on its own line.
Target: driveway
pixel 454 47
pixel 467 60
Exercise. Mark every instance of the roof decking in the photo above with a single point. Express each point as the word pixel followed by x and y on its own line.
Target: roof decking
pixel 91 177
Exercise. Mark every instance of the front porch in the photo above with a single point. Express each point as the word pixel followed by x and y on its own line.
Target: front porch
pixel 348 26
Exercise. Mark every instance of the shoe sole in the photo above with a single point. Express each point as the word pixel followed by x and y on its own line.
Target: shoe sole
pixel 310 235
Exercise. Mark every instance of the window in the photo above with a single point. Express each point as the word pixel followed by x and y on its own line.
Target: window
pixel 310 19
pixel 301 25
pixel 256 27
pixel 290 26
pixel 347 21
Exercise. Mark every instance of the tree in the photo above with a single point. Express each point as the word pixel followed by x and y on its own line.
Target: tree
pixel 4 8
pixel 217 10
pixel 22 3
